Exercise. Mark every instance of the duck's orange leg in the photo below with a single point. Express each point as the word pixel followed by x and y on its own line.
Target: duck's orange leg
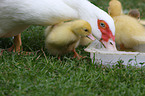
pixel 17 43
pixel 17 46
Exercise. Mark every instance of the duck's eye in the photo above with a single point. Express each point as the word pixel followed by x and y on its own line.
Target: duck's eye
pixel 102 25
pixel 111 43
pixel 86 30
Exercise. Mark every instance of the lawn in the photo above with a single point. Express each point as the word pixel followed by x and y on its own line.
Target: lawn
pixel 42 74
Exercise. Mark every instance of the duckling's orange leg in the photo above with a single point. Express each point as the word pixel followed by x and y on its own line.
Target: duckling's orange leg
pixel 1 51
pixel 16 47
pixel 122 47
pixel 76 55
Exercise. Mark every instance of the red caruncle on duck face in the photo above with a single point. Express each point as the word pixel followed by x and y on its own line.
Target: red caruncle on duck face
pixel 105 30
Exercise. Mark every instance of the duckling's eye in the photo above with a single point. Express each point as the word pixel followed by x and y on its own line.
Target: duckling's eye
pixel 86 30
pixel 102 25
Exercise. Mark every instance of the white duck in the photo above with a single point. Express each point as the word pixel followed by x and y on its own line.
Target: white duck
pixel 17 15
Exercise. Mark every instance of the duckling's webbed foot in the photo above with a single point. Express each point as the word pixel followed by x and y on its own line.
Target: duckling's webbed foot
pixel 76 55
pixel 2 50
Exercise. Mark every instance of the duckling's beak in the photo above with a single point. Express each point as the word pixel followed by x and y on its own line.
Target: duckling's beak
pixel 110 45
pixel 91 37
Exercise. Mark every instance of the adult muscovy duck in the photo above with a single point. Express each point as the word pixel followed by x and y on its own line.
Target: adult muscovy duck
pixel 17 15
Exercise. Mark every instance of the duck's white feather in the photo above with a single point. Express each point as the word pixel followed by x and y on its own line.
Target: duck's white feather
pixel 17 15
pixel 89 12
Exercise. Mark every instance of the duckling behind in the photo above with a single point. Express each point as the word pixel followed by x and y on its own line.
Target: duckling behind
pixel 134 13
pixel 130 33
pixel 115 8
pixel 65 37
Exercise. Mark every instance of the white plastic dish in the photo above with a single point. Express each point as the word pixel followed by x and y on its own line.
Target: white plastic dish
pixel 100 55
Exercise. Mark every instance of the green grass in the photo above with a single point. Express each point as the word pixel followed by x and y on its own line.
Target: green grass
pixel 37 75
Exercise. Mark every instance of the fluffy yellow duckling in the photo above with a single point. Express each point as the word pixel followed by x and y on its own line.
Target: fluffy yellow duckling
pixel 65 37
pixel 84 41
pixel 130 34
pixel 115 8
pixel 136 14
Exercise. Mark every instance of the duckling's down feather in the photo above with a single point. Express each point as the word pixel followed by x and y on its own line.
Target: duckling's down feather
pixel 64 37
pixel 129 31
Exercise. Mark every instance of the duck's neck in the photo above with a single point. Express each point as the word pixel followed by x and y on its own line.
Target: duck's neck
pixel 83 7
pixel 89 12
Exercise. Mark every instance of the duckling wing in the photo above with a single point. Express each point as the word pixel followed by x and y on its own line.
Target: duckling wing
pixel 140 39
pixel 140 47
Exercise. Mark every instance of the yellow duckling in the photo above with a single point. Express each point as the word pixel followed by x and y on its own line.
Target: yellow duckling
pixel 65 37
pixel 84 41
pixel 130 34
pixel 136 14
pixel 115 8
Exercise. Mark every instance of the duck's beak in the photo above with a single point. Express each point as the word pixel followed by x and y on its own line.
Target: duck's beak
pixel 91 37
pixel 110 45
